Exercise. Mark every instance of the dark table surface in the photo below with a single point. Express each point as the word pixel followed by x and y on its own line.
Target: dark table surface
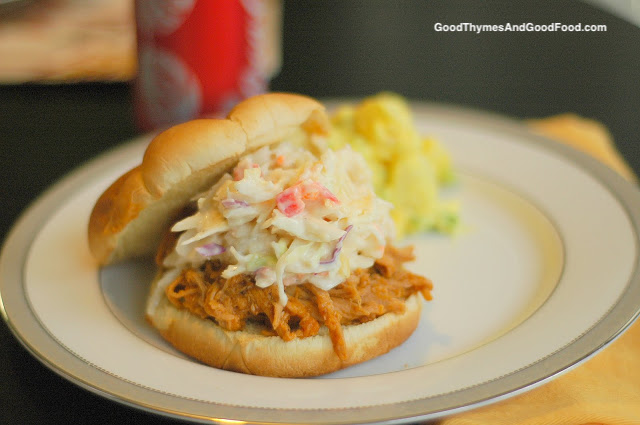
pixel 331 49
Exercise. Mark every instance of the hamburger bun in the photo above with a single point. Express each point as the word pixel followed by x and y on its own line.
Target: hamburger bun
pixel 250 351
pixel 132 215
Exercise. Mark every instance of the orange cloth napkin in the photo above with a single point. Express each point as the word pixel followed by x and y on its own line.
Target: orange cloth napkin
pixel 604 390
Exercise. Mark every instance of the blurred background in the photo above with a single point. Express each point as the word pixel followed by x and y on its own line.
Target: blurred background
pixel 67 66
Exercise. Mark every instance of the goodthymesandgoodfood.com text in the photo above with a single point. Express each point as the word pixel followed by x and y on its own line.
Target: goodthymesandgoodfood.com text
pixel 522 27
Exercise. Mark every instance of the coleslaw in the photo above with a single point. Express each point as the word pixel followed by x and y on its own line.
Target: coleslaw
pixel 288 216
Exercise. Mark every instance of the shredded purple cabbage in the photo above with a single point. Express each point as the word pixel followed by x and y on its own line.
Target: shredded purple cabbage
pixel 337 248
pixel 231 203
pixel 210 249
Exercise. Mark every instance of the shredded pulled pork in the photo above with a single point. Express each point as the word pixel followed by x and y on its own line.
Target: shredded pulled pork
pixel 364 296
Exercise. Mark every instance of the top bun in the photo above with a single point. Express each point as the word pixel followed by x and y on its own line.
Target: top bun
pixel 129 218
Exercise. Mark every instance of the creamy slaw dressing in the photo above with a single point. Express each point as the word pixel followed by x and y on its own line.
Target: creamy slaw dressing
pixel 288 214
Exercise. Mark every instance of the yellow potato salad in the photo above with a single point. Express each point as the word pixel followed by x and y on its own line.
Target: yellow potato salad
pixel 408 169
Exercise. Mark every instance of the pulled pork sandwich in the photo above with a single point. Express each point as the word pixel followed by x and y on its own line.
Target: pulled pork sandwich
pixel 273 251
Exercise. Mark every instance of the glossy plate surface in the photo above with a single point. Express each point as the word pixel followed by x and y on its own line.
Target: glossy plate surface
pixel 544 275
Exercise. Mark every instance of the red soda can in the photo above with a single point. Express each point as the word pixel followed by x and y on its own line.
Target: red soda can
pixel 200 57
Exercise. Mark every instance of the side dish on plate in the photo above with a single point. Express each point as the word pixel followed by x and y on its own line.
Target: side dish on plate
pixel 409 169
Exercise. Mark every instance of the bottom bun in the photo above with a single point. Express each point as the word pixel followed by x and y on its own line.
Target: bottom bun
pixel 249 351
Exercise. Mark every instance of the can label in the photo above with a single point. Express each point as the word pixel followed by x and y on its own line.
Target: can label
pixel 200 57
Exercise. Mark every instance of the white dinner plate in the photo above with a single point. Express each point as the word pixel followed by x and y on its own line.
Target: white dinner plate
pixel 543 275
